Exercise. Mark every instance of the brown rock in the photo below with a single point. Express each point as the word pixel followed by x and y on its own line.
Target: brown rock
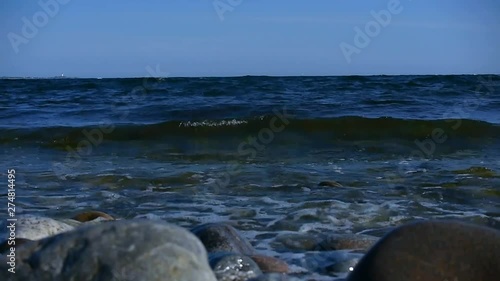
pixel 433 251
pixel 270 264
pixel 92 215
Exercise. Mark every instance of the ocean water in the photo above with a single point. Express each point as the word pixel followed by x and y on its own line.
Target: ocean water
pixel 254 150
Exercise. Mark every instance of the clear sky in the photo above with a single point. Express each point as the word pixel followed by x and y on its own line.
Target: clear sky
pixel 111 38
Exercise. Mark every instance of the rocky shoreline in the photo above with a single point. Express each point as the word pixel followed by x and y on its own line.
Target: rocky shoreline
pixel 95 246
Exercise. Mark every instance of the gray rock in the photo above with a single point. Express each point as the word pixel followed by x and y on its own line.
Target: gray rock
pixel 34 227
pixel 222 237
pixel 71 222
pixel 233 267
pixel 433 251
pixel 118 250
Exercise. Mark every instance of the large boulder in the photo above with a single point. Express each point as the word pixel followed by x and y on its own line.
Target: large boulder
pixel 118 250
pixel 433 251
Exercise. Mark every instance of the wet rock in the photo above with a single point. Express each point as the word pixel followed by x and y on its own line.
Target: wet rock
pixel 330 184
pixel 89 217
pixel 233 267
pixel 270 264
pixel 274 277
pixel 433 251
pixel 119 250
pixel 92 216
pixel 346 241
pixel 285 224
pixel 222 237
pixel 34 227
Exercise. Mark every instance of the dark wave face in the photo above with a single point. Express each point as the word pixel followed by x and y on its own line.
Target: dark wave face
pixel 339 128
pixel 254 150
pixel 337 108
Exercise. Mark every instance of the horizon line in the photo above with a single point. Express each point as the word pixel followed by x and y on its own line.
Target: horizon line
pixel 241 76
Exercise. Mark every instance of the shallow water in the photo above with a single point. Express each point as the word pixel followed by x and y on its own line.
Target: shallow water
pixel 253 150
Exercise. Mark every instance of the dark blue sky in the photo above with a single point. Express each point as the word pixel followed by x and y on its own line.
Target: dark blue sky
pixel 96 38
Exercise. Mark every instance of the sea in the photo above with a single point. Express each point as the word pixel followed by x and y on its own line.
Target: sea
pixel 276 157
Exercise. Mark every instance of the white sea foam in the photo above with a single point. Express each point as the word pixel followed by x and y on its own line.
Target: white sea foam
pixel 208 123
